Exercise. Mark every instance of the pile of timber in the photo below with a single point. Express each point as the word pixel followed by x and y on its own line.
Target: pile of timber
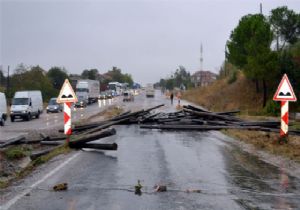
pixel 84 134
pixel 199 119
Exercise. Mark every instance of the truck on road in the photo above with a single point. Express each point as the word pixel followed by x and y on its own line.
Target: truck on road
pixel 26 104
pixel 3 109
pixel 150 92
pixel 87 90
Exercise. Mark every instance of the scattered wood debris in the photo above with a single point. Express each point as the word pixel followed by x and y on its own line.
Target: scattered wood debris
pixel 160 188
pixel 60 187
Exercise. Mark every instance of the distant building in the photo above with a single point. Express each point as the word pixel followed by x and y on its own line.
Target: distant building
pixel 203 78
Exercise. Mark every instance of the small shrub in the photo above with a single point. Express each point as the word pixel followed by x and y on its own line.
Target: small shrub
pixel 272 108
pixel 232 78
pixel 14 153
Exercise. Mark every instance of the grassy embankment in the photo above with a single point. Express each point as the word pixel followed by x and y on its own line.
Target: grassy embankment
pixel 9 157
pixel 241 94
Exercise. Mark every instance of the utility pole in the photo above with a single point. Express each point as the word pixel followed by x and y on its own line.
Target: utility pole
pixel 7 83
pixel 225 61
pixel 201 58
pixel 260 6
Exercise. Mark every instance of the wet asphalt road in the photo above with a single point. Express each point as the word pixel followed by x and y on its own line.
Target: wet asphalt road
pixel 227 177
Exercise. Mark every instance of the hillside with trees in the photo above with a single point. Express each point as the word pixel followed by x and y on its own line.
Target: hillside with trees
pixel 260 50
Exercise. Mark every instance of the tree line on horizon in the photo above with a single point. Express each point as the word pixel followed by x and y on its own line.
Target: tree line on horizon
pixel 50 82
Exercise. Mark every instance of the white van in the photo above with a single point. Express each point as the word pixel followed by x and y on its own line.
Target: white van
pixel 3 109
pixel 26 104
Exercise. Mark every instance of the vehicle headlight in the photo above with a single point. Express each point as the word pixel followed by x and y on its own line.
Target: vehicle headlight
pixel 25 111
pixel 47 107
pixel 55 107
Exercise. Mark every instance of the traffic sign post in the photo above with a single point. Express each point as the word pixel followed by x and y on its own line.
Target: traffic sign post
pixel 284 93
pixel 67 96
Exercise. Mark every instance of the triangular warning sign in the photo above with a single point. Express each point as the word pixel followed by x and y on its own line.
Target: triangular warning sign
pixel 66 93
pixel 285 91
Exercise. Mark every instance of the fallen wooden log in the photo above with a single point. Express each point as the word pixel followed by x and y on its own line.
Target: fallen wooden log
pixel 84 138
pixel 79 128
pixel 44 137
pixel 210 115
pixel 197 127
pixel 112 146
pixel 195 108
pixel 155 107
pixel 38 154
pixel 229 112
pixel 52 143
pixel 272 124
pixel 211 122
pixel 122 114
pixel 149 118
pixel 12 141
pixel 167 120
pixel 30 141
pixel 127 116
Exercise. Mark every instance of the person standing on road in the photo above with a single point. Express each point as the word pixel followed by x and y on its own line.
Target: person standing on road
pixel 178 97
pixel 171 97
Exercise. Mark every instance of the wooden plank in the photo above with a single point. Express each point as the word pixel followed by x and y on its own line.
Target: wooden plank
pixel 52 143
pixel 112 146
pixel 84 138
pixel 12 141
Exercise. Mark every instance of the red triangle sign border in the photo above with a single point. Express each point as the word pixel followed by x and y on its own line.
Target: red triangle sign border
pixel 276 98
pixel 64 100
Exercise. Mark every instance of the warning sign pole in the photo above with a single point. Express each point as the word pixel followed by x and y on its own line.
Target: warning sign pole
pixel 67 118
pixel 67 97
pixel 284 94
pixel 284 119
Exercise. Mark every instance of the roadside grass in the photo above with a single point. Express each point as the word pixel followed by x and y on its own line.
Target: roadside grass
pixel 17 152
pixel 64 149
pixel 221 96
pixel 267 141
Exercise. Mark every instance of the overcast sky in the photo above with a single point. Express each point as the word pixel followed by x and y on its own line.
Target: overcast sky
pixel 148 39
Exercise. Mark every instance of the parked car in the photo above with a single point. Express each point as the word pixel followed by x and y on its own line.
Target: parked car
pixel 53 106
pixel 128 96
pixel 26 104
pixel 3 109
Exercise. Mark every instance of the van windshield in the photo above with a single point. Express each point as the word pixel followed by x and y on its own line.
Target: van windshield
pixel 52 102
pixel 20 101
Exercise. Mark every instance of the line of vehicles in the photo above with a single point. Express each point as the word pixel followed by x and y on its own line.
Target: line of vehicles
pixel 28 104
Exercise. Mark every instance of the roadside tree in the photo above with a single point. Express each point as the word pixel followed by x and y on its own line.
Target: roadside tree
pixel 57 76
pixel 249 48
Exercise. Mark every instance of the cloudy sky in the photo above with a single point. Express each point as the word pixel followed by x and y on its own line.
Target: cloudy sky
pixel 146 38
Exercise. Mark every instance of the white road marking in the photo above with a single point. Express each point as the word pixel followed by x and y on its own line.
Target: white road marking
pixel 22 194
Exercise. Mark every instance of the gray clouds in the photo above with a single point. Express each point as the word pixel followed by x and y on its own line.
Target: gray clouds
pixel 147 39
